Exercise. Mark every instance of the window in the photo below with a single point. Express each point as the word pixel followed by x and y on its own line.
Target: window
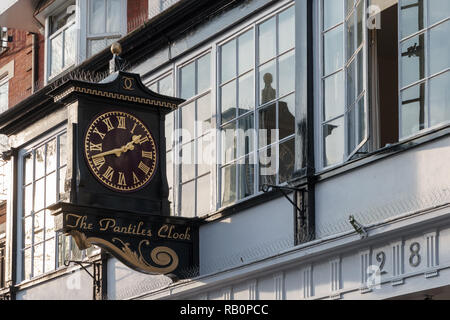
pixel 424 64
pixel 164 85
pixel 42 250
pixel 4 93
pixel 343 115
pixel 194 141
pixel 104 24
pixel 2 263
pixel 155 7
pixel 62 39
pixel 257 90
pixel 402 75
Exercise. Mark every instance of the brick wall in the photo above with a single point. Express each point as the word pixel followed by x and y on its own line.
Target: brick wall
pixel 137 13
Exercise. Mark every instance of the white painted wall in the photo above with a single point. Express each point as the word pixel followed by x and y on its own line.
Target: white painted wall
pixel 409 181
pixel 246 236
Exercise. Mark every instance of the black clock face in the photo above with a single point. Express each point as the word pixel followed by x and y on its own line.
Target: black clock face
pixel 120 151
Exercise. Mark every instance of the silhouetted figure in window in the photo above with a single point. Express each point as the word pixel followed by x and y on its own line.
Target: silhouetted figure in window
pixel 268 93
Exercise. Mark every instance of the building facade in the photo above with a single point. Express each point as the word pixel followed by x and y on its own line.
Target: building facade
pixel 312 147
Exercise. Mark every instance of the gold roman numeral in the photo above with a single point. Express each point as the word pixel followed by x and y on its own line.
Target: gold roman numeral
pixel 108 123
pixel 143 140
pixel 96 147
pixel 108 175
pixel 144 167
pixel 135 179
pixel 121 124
pixel 98 162
pixel 134 127
pixel 102 135
pixel 122 181
pixel 147 154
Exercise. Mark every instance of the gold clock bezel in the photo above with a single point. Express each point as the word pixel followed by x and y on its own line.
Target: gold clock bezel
pixel 96 173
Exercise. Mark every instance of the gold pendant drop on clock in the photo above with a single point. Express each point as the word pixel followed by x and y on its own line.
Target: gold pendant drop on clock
pixel 120 151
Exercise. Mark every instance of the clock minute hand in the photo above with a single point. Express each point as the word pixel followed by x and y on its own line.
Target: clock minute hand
pixel 118 151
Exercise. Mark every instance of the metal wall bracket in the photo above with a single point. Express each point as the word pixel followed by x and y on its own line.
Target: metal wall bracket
pixel 96 277
pixel 283 189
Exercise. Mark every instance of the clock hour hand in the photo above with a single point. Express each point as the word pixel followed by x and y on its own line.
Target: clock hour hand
pixel 118 151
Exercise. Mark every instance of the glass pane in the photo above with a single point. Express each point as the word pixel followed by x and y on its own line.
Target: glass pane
pixel 246 52
pixel 351 130
pixel 440 48
pixel 204 73
pixel 360 24
pixel 188 122
pixel 188 199
pixel 228 101
pixel 169 168
pixel 204 155
pixel 165 86
pixel 360 72
pixel 438 10
pixel 246 93
pixel 267 125
pixel 287 73
pixel 27 264
pixel 188 162
pixel 268 166
pixel 229 143
pixel 50 255
pixel 267 40
pixel 361 119
pixel 97 16
pixel 28 168
pixel 39 195
pixel 349 5
pixel 49 225
pixel 56 63
pixel 70 46
pixel 228 184
pixel 187 75
pixel 38 260
pixel 413 110
pixel 62 149
pixel 28 231
pixel 228 58
pixel 439 99
pixel 28 200
pixel 203 114
pixel 286 30
pixel 287 160
pixel 246 173
pixel 40 162
pixel 268 82
pixel 203 195
pixel 412 16
pixel 50 192
pixel 413 60
pixel 95 46
pixel 63 249
pixel 351 44
pixel 51 156
pixel 333 135
pixel 39 227
pixel 333 13
pixel 351 84
pixel 113 16
pixel 333 50
pixel 4 92
pixel 154 87
pixel 62 179
pixel 169 130
pixel 334 96
pixel 286 116
pixel 246 135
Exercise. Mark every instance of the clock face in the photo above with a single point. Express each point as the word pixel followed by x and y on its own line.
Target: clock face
pixel 120 151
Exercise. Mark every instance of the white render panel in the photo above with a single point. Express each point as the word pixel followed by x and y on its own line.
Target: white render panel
pixel 248 236
pixel 409 181
pixel 293 285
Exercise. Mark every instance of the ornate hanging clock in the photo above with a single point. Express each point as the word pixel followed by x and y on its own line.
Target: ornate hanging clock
pixel 120 151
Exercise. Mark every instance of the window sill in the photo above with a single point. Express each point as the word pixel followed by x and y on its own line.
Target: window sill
pixel 386 152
